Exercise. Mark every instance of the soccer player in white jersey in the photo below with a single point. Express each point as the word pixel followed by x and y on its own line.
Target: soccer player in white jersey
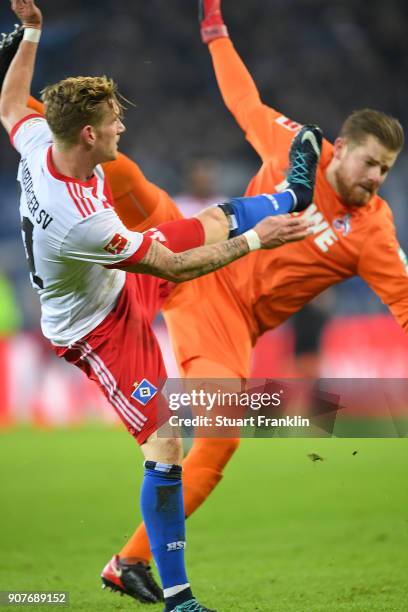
pixel 100 285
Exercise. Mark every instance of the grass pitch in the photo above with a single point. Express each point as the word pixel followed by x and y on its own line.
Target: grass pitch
pixel 282 533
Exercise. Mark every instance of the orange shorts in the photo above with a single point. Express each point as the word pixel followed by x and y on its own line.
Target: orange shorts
pixel 209 326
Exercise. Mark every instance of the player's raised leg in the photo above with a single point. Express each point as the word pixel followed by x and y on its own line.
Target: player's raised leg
pixel 304 156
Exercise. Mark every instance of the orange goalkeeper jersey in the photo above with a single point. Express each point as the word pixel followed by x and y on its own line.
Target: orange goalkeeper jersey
pixel 219 316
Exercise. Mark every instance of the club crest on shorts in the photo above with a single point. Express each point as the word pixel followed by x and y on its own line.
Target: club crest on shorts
pixel 117 244
pixel 144 392
pixel 343 224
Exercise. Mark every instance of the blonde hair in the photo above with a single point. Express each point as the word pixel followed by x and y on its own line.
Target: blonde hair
pixel 385 128
pixel 75 102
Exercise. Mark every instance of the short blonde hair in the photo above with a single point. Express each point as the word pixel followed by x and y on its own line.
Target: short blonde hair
pixel 365 122
pixel 75 102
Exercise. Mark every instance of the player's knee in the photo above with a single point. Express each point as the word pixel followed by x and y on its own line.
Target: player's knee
pixel 164 450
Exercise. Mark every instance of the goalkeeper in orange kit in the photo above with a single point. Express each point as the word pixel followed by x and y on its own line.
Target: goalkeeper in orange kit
pixel 353 234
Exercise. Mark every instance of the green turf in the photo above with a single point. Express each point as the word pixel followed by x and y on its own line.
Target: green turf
pixel 281 533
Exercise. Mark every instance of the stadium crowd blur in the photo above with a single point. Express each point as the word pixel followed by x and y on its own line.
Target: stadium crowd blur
pixel 314 60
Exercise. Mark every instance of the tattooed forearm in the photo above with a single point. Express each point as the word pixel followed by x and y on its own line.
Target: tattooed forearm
pixel 179 267
pixel 197 262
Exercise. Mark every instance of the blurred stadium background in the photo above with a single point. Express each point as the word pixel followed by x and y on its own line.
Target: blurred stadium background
pixel 314 60
pixel 325 536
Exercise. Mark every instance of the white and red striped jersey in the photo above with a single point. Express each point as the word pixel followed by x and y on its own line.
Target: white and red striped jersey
pixel 70 232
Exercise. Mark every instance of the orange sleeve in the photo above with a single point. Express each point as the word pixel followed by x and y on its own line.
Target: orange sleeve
pixel 35 105
pixel 384 266
pixel 139 203
pixel 267 130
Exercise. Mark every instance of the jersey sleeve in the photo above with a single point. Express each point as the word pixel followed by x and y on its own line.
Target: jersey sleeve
pixel 178 236
pixel 103 239
pixel 384 266
pixel 30 132
pixel 266 129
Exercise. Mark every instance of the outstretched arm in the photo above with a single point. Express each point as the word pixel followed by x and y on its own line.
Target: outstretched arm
pixel 270 233
pixel 384 266
pixel 17 83
pixel 237 87
pixel 265 128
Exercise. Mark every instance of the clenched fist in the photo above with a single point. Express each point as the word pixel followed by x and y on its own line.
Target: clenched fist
pixel 28 13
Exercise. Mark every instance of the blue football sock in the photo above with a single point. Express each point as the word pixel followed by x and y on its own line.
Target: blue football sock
pixel 163 513
pixel 245 213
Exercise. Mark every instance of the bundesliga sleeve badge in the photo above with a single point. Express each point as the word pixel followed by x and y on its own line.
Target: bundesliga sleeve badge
pixel 144 392
pixel 117 244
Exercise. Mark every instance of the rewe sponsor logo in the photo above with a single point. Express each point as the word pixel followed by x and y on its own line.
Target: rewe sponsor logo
pixel 325 236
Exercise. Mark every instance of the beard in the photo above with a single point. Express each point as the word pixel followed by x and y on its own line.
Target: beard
pixel 353 194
